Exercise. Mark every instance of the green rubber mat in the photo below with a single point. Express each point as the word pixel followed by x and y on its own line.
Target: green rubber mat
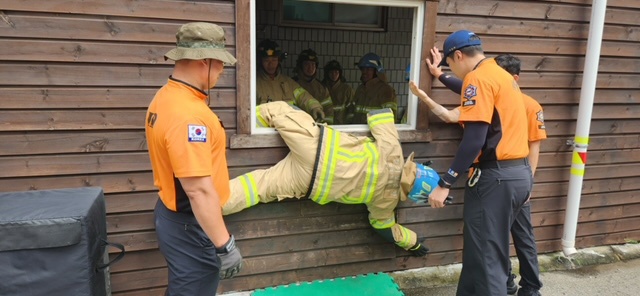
pixel 378 284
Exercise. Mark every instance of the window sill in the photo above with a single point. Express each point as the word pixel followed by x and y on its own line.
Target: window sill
pixel 241 141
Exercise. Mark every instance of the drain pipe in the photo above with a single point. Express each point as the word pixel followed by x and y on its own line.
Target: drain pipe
pixel 581 140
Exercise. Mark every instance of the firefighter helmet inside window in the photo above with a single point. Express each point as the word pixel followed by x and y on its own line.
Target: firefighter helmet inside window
pixel 269 48
pixel 371 60
pixel 307 55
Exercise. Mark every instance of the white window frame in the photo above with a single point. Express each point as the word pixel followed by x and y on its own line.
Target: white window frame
pixel 416 50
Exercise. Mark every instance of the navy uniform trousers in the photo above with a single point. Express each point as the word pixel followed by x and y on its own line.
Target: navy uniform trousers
pixel 194 267
pixel 490 208
pixel 526 249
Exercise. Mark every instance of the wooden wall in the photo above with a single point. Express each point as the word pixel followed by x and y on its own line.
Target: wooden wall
pixel 76 77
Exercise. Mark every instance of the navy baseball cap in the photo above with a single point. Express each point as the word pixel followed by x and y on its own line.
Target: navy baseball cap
pixel 458 40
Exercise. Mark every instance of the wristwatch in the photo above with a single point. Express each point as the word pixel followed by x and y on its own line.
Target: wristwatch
pixel 444 184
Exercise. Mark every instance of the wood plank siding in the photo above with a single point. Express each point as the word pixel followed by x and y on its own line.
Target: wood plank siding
pixel 76 78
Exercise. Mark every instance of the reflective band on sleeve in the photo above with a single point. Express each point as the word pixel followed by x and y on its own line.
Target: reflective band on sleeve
pixel 382 224
pixel 365 109
pixel 250 189
pixel 326 102
pixel 406 237
pixel 298 92
pixel 380 118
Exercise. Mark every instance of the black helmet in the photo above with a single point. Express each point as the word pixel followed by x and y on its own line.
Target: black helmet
pixel 333 65
pixel 268 48
pixel 307 55
pixel 330 66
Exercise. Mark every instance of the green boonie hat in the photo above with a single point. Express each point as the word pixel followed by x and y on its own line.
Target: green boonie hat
pixel 199 41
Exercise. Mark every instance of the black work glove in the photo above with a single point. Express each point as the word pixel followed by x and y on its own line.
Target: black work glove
pixel 230 259
pixel 418 250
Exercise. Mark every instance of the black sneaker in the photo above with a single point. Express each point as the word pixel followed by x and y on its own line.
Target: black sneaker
pixel 512 288
pixel 529 292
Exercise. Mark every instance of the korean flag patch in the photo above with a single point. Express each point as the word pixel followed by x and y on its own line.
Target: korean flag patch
pixel 197 133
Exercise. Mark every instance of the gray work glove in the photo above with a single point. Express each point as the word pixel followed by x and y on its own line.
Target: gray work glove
pixel 317 114
pixel 230 259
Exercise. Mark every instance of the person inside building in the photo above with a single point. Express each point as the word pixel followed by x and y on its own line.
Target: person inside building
pixel 306 75
pixel 341 93
pixel 272 85
pixel 374 93
pixel 186 142
pixel 522 229
pixel 326 165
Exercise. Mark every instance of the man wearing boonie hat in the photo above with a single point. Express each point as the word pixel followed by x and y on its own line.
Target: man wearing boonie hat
pixel 495 145
pixel 186 142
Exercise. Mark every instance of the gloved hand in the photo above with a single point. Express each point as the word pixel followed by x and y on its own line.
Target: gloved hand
pixel 425 199
pixel 317 114
pixel 419 198
pixel 418 250
pixel 230 259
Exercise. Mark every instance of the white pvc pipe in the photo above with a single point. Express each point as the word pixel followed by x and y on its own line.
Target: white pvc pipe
pixel 581 140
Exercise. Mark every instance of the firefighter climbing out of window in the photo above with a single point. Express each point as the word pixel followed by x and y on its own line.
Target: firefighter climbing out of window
pixel 326 165
pixel 374 93
pixel 272 85
pixel 307 72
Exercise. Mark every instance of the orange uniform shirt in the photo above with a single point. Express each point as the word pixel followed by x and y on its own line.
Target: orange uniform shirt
pixel 491 95
pixel 185 139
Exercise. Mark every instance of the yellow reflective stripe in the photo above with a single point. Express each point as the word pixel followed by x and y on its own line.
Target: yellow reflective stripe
pixel 250 189
pixel 328 166
pixel 346 155
pixel 582 140
pixel 351 156
pixel 338 108
pixel 405 238
pixel 577 172
pixel 298 92
pixel 371 178
pixel 366 109
pixel 261 121
pixel 391 105
pixel 326 102
pixel 328 119
pixel 377 224
pixel 380 118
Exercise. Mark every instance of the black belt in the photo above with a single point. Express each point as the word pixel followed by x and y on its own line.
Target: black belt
pixel 494 164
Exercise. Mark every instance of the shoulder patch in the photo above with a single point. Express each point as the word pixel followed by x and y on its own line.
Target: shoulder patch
pixel 540 118
pixel 197 133
pixel 470 92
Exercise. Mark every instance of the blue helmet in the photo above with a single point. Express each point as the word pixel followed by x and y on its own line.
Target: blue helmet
pixel 426 180
pixel 371 60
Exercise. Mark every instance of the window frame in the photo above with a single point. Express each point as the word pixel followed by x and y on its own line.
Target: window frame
pixel 380 27
pixel 423 36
